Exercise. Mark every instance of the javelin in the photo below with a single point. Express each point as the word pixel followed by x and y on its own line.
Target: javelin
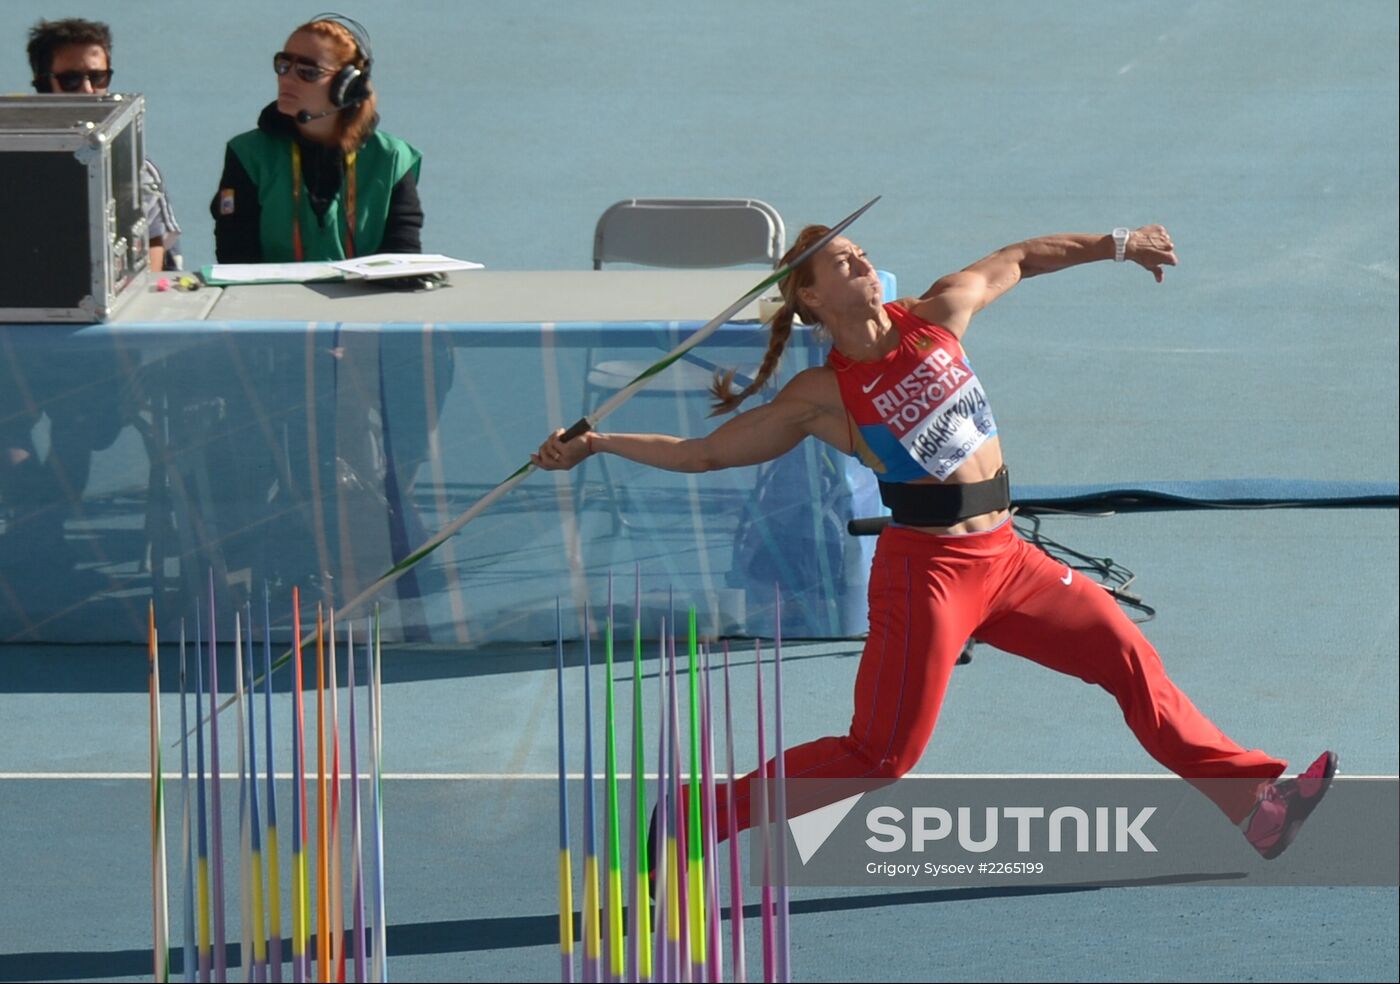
pixel 585 424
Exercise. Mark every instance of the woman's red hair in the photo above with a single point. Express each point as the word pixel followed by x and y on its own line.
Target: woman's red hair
pixel 353 126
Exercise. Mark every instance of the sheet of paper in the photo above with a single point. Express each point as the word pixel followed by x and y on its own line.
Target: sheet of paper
pixel 383 265
pixel 219 274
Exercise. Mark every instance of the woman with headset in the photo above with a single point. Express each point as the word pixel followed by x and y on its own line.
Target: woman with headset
pixel 317 179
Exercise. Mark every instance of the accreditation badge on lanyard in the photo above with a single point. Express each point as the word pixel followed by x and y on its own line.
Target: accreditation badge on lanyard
pixel 298 250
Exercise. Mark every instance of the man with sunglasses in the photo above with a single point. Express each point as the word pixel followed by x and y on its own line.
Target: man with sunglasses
pixel 39 493
pixel 75 56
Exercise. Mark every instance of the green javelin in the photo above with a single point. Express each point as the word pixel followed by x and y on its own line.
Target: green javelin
pixel 616 953
pixel 642 924
pixel 695 842
pixel 586 424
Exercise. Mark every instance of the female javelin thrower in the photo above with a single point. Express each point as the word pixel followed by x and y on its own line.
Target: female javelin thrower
pixel 899 392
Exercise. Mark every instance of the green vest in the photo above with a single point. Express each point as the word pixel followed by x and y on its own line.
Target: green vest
pixel 379 165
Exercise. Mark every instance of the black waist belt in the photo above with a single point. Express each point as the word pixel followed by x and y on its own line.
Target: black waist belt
pixel 944 505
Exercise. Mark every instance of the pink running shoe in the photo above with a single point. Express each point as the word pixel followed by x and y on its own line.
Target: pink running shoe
pixel 1285 804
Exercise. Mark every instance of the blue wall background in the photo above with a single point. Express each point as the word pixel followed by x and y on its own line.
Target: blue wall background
pixel 1263 134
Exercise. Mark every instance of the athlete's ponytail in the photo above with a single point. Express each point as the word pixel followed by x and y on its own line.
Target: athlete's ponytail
pixel 726 398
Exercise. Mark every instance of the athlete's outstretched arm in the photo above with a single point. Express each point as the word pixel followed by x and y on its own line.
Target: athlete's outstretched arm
pixel 954 299
pixel 752 437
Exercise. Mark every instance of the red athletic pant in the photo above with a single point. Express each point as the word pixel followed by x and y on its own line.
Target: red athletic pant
pixel 928 594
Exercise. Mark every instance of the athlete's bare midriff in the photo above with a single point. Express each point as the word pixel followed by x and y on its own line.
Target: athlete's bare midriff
pixel 983 464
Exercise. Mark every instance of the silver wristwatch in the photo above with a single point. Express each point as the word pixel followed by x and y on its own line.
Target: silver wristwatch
pixel 1120 244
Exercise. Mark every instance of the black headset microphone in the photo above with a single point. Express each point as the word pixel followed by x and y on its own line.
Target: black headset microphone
pixel 306 117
